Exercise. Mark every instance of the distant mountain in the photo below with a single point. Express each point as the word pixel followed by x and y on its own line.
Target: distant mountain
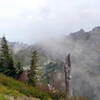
pixel 87 63
pixel 16 46
pixel 85 55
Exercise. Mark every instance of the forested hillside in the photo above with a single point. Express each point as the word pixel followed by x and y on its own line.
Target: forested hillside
pixel 84 49
pixel 18 83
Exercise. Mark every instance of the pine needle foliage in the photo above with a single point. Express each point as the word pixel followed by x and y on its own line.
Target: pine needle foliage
pixel 6 59
pixel 33 69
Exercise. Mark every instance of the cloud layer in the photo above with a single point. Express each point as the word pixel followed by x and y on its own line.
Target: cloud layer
pixel 31 20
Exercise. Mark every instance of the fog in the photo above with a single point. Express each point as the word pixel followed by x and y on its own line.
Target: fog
pixel 48 23
pixel 84 57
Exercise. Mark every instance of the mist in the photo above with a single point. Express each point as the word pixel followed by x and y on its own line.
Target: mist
pixel 29 20
pixel 51 26
pixel 84 57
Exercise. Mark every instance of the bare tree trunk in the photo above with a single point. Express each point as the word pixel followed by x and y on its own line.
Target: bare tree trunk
pixel 67 69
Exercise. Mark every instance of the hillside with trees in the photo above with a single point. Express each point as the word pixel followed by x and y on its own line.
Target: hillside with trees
pixel 18 83
pixel 43 64
pixel 84 48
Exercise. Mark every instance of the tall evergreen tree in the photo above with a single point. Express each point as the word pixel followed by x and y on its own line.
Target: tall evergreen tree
pixel 33 69
pixel 19 69
pixel 6 59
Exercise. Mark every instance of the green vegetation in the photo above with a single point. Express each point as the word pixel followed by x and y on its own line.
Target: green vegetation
pixel 19 69
pixel 33 69
pixel 2 97
pixel 9 92
pixel 22 88
pixel 16 89
pixel 11 88
pixel 6 61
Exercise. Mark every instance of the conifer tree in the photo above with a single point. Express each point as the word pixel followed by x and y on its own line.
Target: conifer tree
pixel 33 69
pixel 19 69
pixel 6 59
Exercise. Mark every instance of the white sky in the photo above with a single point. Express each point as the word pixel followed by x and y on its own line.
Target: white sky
pixel 31 20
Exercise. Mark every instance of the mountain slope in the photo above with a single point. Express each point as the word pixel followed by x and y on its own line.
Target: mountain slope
pixel 85 56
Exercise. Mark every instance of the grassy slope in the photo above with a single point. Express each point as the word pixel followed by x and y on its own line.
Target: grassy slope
pixel 14 88
pixel 10 88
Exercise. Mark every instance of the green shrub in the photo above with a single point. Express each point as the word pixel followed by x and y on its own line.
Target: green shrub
pixel 2 97
pixel 4 90
pixel 23 88
pixel 15 88
pixel 54 94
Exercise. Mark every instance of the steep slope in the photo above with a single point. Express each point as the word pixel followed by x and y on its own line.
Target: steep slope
pixel 85 55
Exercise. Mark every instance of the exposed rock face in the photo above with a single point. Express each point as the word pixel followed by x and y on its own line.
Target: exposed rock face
pixel 81 31
pixel 96 29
